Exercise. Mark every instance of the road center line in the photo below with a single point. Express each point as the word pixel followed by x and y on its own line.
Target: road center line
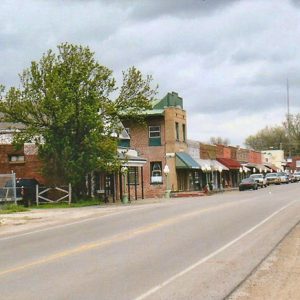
pixel 116 238
pixel 213 254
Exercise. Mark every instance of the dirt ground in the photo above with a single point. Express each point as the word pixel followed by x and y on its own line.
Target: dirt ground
pixel 38 218
pixel 278 277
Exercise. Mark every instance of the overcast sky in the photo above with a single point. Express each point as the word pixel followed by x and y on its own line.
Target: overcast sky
pixel 228 59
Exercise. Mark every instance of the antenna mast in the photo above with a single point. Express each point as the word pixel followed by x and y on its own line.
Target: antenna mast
pixel 288 116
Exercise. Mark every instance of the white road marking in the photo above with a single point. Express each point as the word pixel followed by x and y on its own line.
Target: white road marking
pixel 213 254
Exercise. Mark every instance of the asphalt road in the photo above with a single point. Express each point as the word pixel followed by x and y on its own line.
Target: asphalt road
pixel 192 248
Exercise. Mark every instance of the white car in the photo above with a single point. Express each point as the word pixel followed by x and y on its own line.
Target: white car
pixel 260 179
pixel 284 178
pixel 296 176
pixel 272 178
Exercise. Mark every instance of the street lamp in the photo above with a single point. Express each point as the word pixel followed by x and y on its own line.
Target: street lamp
pixel 241 173
pixel 124 171
pixel 209 180
pixel 205 169
pixel 166 172
pixel 220 171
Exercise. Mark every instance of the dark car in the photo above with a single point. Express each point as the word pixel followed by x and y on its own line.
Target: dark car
pixel 248 184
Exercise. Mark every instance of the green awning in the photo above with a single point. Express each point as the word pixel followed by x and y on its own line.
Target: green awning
pixel 185 161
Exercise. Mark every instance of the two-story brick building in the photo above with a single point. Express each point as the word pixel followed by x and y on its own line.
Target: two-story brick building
pixel 163 142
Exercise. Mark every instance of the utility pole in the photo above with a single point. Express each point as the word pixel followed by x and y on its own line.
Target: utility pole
pixel 288 116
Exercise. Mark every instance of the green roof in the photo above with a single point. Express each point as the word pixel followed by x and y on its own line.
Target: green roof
pixel 185 161
pixel 170 100
pixel 154 112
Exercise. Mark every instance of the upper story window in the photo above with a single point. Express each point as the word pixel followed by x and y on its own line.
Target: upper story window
pixel 177 131
pixel 154 131
pixel 183 133
pixel 154 136
pixel 16 158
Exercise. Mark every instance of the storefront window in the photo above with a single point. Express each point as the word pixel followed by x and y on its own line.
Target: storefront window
pixel 156 172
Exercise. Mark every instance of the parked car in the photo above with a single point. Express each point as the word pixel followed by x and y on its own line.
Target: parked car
pixel 248 184
pixel 260 179
pixel 284 178
pixel 296 176
pixel 272 178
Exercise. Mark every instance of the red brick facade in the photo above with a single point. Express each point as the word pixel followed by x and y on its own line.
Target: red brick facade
pixel 208 151
pixel 255 157
pixel 172 140
pixel 30 167
pixel 139 140
pixel 223 151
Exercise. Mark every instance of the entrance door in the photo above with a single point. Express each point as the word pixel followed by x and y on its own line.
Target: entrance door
pixel 182 180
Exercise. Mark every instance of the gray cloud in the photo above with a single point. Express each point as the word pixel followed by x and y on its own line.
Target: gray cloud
pixel 148 9
pixel 225 58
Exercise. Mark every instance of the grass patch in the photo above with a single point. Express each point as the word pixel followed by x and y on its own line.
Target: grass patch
pixel 80 203
pixel 11 208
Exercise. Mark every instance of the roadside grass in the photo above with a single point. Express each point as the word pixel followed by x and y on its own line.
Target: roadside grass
pixel 11 208
pixel 79 203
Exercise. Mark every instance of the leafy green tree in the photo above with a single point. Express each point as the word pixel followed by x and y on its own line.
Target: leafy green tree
pixel 66 104
pixel 292 128
pixel 285 137
pixel 268 138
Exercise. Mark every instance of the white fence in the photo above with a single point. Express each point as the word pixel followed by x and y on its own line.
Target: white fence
pixel 42 194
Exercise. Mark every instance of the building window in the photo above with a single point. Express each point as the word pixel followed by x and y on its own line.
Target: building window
pixel 156 172
pixel 133 175
pixel 16 158
pixel 177 131
pixel 124 143
pixel 183 132
pixel 154 136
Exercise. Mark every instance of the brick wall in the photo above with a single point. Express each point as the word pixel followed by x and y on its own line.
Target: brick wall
pixel 243 155
pixel 139 140
pixel 233 152
pixel 208 151
pixel 29 168
pixel 255 157
pixel 223 151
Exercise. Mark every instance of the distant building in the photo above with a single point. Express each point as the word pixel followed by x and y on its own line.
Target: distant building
pixel 275 158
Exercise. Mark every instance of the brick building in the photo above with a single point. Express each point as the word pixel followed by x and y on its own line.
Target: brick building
pixel 163 142
pixel 24 162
